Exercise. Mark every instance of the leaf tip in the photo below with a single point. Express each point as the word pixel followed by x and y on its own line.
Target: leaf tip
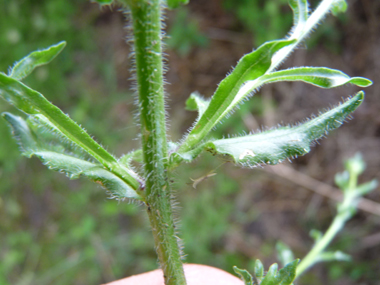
pixel 361 81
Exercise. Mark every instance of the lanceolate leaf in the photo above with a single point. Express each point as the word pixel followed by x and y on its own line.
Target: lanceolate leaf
pixel 26 65
pixel 250 67
pixel 274 146
pixel 33 103
pixel 32 141
pixel 319 76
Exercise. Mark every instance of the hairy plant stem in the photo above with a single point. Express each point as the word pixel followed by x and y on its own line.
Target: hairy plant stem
pixel 147 33
pixel 345 212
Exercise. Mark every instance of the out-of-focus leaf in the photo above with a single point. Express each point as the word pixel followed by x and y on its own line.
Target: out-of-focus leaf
pixel 32 142
pixel 103 2
pixel 34 103
pixel 244 275
pixel 259 269
pixel 367 187
pixel 25 66
pixel 355 165
pixel 175 3
pixel 274 146
pixel 339 6
pixel 333 256
pixel 316 235
pixel 284 253
pixel 342 179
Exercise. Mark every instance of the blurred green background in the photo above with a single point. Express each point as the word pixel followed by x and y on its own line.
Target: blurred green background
pixel 59 231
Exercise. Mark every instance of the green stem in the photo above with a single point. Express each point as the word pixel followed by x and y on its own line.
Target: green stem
pixel 147 32
pixel 312 257
pixel 345 212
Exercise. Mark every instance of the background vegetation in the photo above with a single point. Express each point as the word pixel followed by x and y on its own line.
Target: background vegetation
pixel 53 230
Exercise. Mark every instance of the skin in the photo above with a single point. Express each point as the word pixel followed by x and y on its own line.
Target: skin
pixel 196 274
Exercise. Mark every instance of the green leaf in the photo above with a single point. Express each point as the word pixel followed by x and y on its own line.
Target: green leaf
pixel 355 165
pixel 284 276
pixel 244 275
pixel 269 278
pixel 284 253
pixel 339 6
pixel 32 140
pixel 319 76
pixel 274 146
pixel 103 2
pixel 33 103
pixel 332 256
pixel 366 188
pixel 259 269
pixel 136 155
pixel 342 180
pixel 300 12
pixel 316 235
pixel 26 65
pixel 197 103
pixel 175 3
pixel 287 274
pixel 249 67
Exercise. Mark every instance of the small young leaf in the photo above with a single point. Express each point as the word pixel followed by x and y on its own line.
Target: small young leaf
pixel 333 256
pixel 339 6
pixel 355 165
pixel 287 274
pixel 269 278
pixel 316 235
pixel 244 275
pixel 175 3
pixel 284 253
pixel 300 12
pixel 136 155
pixel 197 103
pixel 259 269
pixel 274 146
pixel 26 65
pixel 33 103
pixel 342 179
pixel 32 142
pixel 226 97
pixel 366 188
